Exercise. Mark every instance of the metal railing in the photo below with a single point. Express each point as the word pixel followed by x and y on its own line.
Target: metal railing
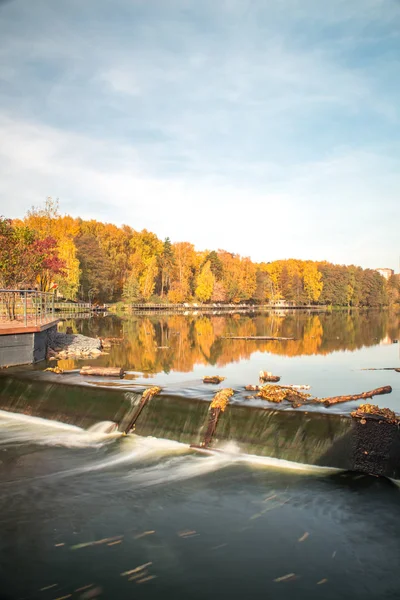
pixel 73 306
pixel 27 307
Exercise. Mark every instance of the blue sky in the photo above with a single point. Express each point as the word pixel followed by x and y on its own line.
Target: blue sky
pixel 270 128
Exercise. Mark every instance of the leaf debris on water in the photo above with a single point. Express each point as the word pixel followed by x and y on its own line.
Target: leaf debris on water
pixel 303 537
pixel 149 578
pixel 188 533
pixel 97 542
pixel 85 587
pixel 92 593
pixel 138 575
pixel 48 587
pixel 143 534
pixel 270 498
pixel 139 568
pixel 322 581
pixel 220 546
pixel 285 577
pixel 334 554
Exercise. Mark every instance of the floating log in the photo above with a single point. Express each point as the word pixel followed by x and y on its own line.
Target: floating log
pixel 373 411
pixel 217 406
pixel 146 396
pixel 102 371
pixel 337 399
pixel 266 338
pixel 397 369
pixel 213 379
pixel 267 376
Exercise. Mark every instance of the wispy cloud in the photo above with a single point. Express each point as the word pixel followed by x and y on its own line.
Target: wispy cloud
pixel 227 123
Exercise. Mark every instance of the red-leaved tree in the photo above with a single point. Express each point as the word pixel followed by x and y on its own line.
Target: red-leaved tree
pixel 26 261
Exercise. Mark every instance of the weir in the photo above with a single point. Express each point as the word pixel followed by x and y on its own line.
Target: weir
pixel 315 438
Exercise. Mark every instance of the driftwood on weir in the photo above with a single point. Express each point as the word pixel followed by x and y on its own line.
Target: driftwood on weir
pixel 338 399
pixel 213 379
pixel 146 396
pixel 256 388
pixel 102 371
pixel 372 411
pixel 279 393
pixel 55 370
pixel 217 406
pixel 397 369
pixel 267 376
pixel 266 338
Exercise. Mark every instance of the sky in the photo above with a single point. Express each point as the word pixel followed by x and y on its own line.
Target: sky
pixel 268 128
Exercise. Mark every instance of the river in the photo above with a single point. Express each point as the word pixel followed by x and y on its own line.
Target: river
pixel 89 515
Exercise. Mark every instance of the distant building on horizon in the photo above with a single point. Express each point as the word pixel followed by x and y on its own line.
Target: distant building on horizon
pixel 386 273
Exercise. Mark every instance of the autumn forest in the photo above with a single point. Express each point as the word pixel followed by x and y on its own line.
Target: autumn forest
pixel 90 260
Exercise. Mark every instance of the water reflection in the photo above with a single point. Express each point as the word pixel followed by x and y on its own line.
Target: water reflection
pixel 157 343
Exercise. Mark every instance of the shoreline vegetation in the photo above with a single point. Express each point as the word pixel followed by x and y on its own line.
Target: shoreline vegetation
pixel 101 263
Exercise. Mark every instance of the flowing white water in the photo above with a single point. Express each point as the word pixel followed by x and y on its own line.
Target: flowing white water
pixel 134 450
pixel 20 429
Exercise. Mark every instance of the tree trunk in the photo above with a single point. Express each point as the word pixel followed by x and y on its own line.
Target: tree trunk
pixel 103 371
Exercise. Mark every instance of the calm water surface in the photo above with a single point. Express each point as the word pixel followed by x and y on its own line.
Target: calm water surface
pixel 328 351
pixel 86 515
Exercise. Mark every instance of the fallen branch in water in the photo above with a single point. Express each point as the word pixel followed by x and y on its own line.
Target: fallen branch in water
pixel 213 379
pixel 217 406
pixel 221 399
pixel 146 396
pixel 256 388
pixel 338 399
pixel 102 371
pixel 256 338
pixel 267 376
pixel 397 369
pixel 278 393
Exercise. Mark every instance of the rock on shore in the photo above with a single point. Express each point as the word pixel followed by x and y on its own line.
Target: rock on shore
pixel 66 345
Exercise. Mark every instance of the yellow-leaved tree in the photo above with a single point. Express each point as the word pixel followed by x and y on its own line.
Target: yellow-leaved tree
pixel 312 281
pixel 205 283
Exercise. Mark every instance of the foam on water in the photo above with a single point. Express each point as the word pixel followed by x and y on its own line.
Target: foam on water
pixel 18 428
pixel 134 449
pixel 178 468
pixel 231 451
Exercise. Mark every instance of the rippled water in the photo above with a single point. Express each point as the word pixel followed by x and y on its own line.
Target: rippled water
pixel 91 514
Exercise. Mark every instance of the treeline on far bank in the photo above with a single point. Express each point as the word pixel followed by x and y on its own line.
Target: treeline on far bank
pixel 106 263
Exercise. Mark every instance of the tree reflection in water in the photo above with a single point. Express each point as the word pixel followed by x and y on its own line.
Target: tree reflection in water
pixel 161 343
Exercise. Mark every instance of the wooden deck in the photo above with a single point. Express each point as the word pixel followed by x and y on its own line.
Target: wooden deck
pixel 15 327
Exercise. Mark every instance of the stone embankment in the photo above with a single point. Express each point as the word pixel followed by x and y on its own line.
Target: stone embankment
pixel 67 345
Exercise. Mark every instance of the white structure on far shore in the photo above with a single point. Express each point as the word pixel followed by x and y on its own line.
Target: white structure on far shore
pixel 386 273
